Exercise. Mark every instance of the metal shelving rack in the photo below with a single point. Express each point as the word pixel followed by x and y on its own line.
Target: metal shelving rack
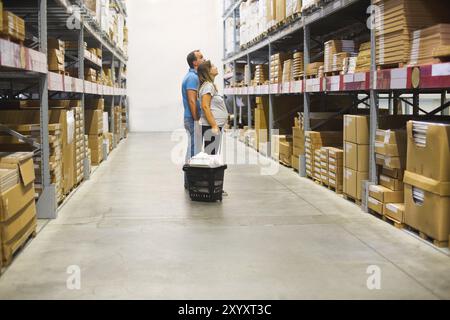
pixel 33 79
pixel 391 82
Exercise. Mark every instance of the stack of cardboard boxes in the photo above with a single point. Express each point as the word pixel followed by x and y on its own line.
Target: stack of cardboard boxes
pixel 276 67
pixel 94 130
pixel 425 41
pixel 363 59
pixel 56 55
pixel 335 51
pixel 356 154
pixel 285 151
pixel 315 140
pixel 298 144
pixel 90 75
pixel 124 123
pixel 427 180
pixel 277 140
pixel 396 22
pixel 79 145
pixel 261 123
pixel 260 74
pixel 287 70
pixel 336 169
pixel 12 25
pixel 65 116
pixel 388 197
pixel 297 66
pixel 312 69
pixel 18 219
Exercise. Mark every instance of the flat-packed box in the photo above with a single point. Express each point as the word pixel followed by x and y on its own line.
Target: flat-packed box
pixel 391 183
pixel 356 129
pixel 10 228
pixel 385 195
pixel 428 150
pixel 356 156
pixel 96 145
pixel 15 198
pixel 395 211
pixel 392 173
pixel 353 182
pixel 390 162
pixel 375 205
pixel 286 151
pixel 335 153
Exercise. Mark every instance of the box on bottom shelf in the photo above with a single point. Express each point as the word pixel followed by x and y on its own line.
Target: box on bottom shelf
pixel 395 211
pixel 427 212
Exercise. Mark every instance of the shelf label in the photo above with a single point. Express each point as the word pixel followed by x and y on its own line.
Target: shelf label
pixel 265 89
pixel 442 69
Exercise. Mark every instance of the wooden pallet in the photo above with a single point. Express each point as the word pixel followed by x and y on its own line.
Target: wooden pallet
pixel 332 73
pixel 422 235
pixel 393 222
pixel 338 191
pixel 314 76
pixel 391 66
pixel 351 199
pixel 11 251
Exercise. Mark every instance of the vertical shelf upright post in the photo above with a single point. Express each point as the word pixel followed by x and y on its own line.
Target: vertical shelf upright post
pixel 86 164
pixel 249 107
pixel 234 98
pixel 446 111
pixel 373 179
pixel 46 204
pixel 271 120
pixel 112 122
pixel 306 97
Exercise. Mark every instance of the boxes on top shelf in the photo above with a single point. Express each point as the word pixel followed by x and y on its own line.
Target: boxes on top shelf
pixel 424 42
pixel 13 26
pixel 397 21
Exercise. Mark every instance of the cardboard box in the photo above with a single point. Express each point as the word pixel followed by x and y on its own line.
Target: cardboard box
pixel 375 205
pixel 66 119
pixel 335 153
pixel 353 182
pixel 430 215
pixel 12 227
pixel 356 156
pixel 94 122
pixel 390 162
pixel 429 152
pixel 395 211
pixel 385 195
pixel 393 173
pixel 391 183
pixel 356 129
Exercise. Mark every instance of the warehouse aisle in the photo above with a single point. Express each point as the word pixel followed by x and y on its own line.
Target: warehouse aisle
pixel 135 234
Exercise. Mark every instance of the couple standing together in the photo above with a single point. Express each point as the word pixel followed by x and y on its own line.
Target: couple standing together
pixel 203 104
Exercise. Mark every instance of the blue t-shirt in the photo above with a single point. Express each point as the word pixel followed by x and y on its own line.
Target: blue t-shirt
pixel 190 82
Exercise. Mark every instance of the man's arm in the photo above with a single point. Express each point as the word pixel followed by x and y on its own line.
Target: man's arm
pixel 192 99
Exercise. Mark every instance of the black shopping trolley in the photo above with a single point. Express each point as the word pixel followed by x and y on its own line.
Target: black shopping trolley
pixel 205 183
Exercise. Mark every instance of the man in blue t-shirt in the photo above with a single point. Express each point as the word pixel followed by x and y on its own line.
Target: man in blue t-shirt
pixel 192 111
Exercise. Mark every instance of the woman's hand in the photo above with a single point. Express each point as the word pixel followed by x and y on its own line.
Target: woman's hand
pixel 215 130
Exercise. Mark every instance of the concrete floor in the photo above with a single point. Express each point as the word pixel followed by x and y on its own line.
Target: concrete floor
pixel 135 233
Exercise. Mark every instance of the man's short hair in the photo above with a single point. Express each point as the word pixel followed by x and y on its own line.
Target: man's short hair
pixel 191 58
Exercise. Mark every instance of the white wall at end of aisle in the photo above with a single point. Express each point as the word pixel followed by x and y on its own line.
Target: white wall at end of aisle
pixel 162 33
